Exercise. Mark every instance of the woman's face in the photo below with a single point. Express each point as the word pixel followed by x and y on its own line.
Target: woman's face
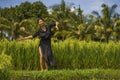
pixel 41 22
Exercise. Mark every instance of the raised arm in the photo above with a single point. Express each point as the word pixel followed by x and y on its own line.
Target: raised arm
pixel 25 38
pixel 56 25
pixel 30 37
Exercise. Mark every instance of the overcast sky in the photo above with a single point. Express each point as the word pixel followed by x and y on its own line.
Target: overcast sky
pixel 86 5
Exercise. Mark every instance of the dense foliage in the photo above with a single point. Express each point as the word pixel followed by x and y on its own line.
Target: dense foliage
pixel 72 45
pixel 21 20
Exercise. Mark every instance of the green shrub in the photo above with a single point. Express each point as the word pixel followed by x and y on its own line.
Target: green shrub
pixel 5 66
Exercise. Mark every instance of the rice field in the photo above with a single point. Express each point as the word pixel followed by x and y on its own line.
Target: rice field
pixel 69 54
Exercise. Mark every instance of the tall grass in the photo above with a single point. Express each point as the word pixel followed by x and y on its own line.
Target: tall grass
pixel 87 74
pixel 76 54
pixel 69 54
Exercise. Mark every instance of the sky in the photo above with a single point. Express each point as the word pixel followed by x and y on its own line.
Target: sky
pixel 86 5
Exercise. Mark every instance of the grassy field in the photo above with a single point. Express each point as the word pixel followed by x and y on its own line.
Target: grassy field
pixel 69 54
pixel 85 74
pixel 75 60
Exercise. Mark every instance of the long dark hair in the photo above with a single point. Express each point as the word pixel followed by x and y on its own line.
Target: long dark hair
pixel 39 19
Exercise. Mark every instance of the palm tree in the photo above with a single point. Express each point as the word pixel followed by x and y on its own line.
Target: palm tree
pixel 99 31
pixel 106 19
pixel 1 12
pixel 89 27
pixel 62 14
pixel 116 29
pixel 69 21
pixel 23 28
pixel 4 27
pixel 16 29
pixel 107 14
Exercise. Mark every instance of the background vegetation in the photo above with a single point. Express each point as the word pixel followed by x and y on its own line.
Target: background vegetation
pixel 73 45
pixel 21 20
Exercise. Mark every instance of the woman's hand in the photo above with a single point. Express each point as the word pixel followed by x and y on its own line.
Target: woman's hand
pixel 57 23
pixel 25 38
pixel 20 39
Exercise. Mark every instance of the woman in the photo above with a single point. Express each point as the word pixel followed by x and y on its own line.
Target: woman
pixel 46 55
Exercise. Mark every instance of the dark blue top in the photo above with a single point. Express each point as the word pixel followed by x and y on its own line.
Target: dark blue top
pixel 44 35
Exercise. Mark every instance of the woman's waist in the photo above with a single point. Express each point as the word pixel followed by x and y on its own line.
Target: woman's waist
pixel 45 41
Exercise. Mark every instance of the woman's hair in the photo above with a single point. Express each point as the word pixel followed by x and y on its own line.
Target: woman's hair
pixel 40 19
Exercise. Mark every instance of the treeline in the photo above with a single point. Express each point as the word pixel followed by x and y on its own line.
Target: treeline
pixel 21 21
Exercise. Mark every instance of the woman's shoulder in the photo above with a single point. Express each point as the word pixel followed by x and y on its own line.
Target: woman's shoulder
pixel 51 24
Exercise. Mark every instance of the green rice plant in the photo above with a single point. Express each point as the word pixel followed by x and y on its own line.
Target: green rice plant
pixel 68 54
pixel 5 66
pixel 87 74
